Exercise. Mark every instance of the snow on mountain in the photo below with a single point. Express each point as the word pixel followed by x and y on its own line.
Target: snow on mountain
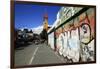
pixel 38 29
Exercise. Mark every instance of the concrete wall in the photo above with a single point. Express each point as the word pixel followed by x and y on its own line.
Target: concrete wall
pixel 75 39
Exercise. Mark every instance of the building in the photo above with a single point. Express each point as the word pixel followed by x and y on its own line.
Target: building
pixel 45 22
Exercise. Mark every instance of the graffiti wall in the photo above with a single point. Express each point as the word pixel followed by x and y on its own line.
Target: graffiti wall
pixel 75 39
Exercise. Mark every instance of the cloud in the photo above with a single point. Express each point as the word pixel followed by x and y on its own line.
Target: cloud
pixel 37 29
pixel 50 25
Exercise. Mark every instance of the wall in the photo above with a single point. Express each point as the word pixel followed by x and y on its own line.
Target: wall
pixel 79 41
pixel 51 40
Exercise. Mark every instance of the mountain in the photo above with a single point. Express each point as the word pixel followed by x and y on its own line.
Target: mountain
pixel 38 29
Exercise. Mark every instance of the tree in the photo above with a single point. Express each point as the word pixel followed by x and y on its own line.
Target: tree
pixel 31 31
pixel 44 34
pixel 25 30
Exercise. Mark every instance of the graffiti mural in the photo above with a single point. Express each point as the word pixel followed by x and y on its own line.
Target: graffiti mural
pixel 75 39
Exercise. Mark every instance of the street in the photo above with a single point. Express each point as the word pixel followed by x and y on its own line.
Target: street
pixel 36 55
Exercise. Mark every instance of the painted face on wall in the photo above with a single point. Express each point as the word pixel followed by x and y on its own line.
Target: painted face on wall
pixel 85 33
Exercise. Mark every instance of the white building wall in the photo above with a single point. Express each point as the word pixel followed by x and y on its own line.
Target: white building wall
pixel 51 40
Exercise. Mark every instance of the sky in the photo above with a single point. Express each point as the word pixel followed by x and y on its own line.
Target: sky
pixel 31 16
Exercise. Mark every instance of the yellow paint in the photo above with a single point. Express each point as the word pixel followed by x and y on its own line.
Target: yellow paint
pixel 45 23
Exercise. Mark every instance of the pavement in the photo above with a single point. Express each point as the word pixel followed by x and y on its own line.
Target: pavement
pixel 36 55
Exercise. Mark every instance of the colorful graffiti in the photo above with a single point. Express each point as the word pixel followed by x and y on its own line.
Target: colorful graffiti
pixel 75 39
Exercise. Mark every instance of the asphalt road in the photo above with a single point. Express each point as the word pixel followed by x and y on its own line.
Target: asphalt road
pixel 36 55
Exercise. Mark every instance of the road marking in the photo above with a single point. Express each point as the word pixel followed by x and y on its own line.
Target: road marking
pixel 33 56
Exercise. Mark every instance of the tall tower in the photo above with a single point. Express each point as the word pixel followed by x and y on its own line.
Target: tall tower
pixel 45 22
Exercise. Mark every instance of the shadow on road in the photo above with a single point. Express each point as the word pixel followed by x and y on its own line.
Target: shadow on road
pixel 22 46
